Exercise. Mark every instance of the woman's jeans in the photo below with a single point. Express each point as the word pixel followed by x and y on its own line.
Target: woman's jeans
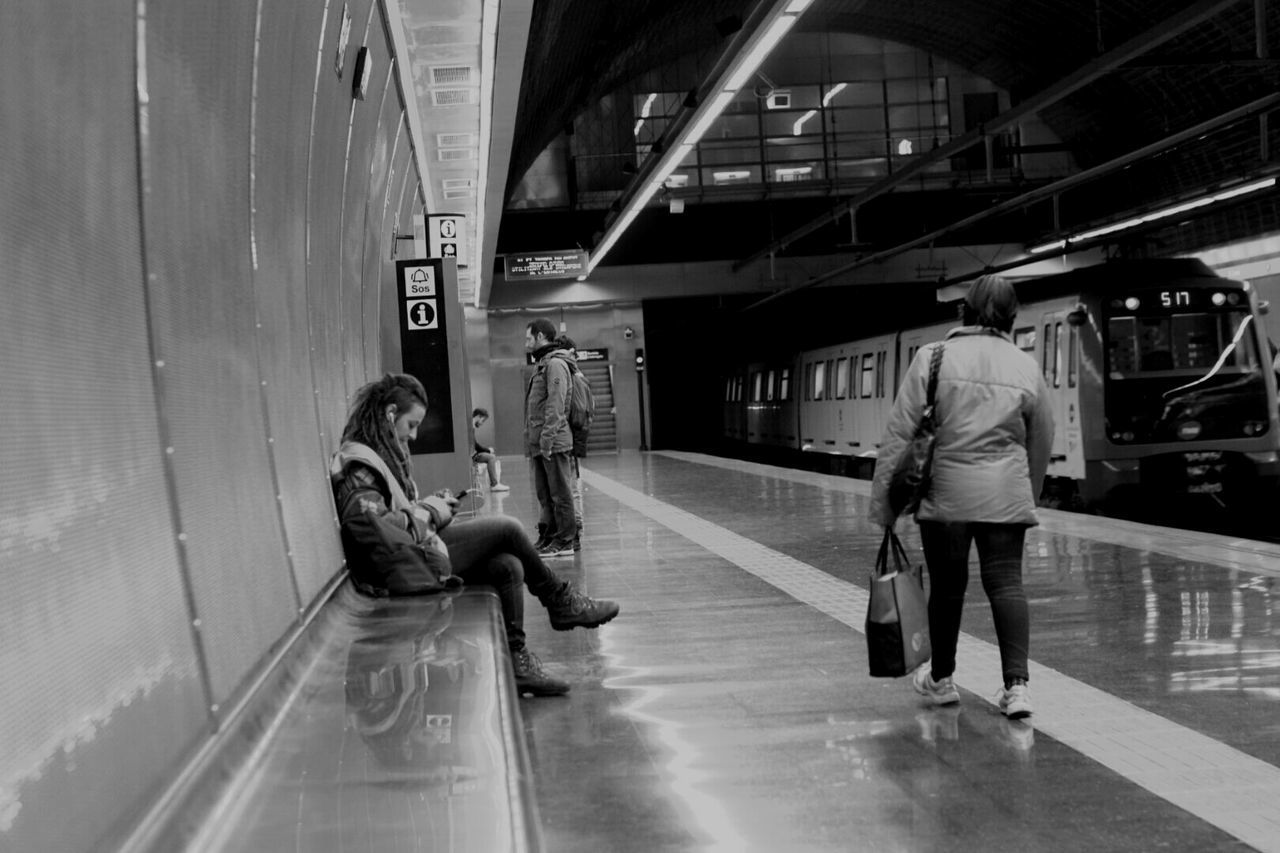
pixel 946 551
pixel 495 550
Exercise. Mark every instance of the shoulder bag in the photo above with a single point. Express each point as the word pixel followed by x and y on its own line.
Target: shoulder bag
pixel 910 481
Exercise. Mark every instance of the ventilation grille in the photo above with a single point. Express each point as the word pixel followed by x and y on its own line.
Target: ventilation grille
pixel 452 97
pixel 455 140
pixel 450 75
pixel 458 183
pixel 459 193
pixel 456 153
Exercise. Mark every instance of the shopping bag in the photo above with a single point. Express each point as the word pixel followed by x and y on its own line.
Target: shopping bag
pixel 897 625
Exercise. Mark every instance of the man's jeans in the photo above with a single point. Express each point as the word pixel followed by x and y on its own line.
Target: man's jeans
pixel 553 484
pixel 946 551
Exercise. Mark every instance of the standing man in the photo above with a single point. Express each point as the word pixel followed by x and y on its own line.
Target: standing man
pixel 548 440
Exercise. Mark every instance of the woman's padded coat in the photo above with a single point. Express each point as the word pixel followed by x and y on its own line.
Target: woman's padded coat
pixel 995 431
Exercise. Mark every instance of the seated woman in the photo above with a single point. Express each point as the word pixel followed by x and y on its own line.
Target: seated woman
pixel 372 480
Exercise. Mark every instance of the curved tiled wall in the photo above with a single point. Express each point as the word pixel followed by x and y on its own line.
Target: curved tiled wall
pixel 193 216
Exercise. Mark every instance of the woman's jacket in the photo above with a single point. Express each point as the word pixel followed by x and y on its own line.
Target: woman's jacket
pixel 389 537
pixel 995 431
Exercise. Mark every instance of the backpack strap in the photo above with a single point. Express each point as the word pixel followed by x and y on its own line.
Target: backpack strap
pixel 931 391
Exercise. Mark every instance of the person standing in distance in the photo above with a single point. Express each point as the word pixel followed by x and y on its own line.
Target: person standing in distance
pixel 995 434
pixel 549 441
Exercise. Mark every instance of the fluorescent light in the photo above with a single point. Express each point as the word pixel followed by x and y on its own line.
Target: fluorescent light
pixel 832 92
pixel 795 128
pixel 639 124
pixel 751 61
pixel 667 166
pixel 648 103
pixel 717 105
pixel 795 7
pixel 1162 213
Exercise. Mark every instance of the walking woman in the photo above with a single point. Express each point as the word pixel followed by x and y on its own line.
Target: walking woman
pixel 994 435
pixel 379 503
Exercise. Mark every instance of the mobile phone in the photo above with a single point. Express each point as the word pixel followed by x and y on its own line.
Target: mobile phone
pixel 462 494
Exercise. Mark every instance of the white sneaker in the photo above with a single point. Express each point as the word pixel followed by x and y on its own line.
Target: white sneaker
pixel 1015 701
pixel 500 487
pixel 940 692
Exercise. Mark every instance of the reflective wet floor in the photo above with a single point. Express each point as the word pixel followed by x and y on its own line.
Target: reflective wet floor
pixel 729 706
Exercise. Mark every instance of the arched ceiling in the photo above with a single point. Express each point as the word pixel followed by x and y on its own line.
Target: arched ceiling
pixel 1197 60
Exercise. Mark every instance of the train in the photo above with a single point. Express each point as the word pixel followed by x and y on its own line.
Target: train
pixel 1160 373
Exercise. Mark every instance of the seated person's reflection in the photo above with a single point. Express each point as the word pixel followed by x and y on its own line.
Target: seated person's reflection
pixel 405 682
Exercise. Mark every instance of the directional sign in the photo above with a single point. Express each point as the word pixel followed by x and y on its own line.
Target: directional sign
pixel 446 236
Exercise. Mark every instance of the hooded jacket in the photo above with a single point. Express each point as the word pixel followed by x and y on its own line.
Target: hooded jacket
pixel 995 431
pixel 546 404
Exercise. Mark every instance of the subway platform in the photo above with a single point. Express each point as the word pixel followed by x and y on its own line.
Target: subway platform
pixel 729 707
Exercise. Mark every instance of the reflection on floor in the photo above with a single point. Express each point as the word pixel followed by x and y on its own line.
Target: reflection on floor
pixel 729 706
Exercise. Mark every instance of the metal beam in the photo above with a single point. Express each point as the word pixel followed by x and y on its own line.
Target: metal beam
pixel 1047 191
pixel 1169 28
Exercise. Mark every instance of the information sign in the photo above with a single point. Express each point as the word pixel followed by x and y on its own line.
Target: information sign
pixel 543 265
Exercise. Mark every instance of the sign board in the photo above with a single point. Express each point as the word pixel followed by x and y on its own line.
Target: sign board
pixel 424 347
pixel 601 354
pixel 447 236
pixel 542 265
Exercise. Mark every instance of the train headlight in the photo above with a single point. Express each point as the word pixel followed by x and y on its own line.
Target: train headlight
pixel 1218 299
pixel 1188 430
pixel 1254 427
pixel 1132 303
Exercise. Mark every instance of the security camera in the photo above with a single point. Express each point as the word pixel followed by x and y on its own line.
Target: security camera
pixel 628 333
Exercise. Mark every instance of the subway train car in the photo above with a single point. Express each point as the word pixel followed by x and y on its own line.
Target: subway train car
pixel 1159 371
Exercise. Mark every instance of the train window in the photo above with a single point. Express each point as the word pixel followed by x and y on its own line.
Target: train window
pixel 737 388
pixel 882 358
pixel 755 387
pixel 842 378
pixel 867 381
pixel 1025 338
pixel 784 384
pixel 1057 355
pixel 728 390
pixel 1073 357
pixel 768 386
pixel 911 353
pixel 831 378
pixel 808 381
pixel 819 379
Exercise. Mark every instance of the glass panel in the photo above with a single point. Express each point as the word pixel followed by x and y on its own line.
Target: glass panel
pixel 819 379
pixel 867 382
pixel 842 378
pixel 784 388
pixel 755 387
pixel 768 386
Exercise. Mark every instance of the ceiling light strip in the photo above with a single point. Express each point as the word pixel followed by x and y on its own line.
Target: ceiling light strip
pixel 1162 213
pixel 781 18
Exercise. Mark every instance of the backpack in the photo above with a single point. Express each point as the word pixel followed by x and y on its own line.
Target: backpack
pixel 582 409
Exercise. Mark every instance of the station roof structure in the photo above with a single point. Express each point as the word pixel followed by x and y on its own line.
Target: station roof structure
pixel 1154 102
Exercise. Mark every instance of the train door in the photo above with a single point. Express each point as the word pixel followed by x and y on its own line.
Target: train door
pixel 1060 366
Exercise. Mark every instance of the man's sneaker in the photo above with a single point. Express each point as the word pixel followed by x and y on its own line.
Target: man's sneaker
pixel 556 548
pixel 570 609
pixel 940 692
pixel 499 487
pixel 1015 701
pixel 532 678
pixel 544 538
